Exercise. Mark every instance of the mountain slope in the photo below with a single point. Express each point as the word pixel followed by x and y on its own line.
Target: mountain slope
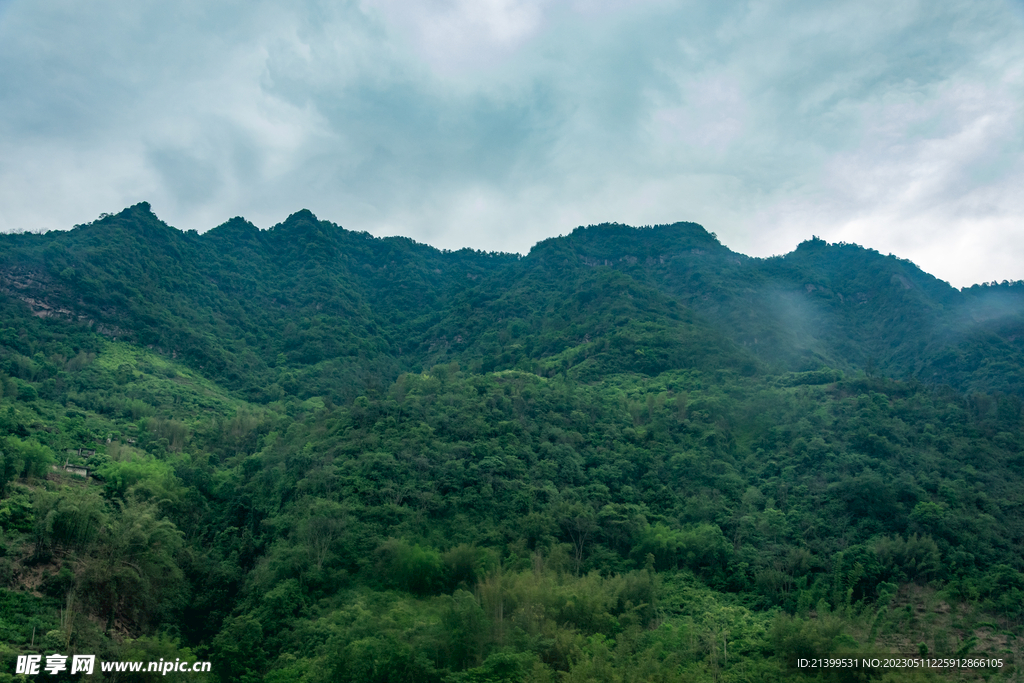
pixel 630 455
pixel 274 311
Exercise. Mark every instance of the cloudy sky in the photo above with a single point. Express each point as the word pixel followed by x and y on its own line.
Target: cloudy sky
pixel 496 123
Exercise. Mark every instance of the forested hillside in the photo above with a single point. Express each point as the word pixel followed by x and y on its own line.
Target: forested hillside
pixel 631 455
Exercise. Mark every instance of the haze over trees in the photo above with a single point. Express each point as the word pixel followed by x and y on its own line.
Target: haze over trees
pixel 631 455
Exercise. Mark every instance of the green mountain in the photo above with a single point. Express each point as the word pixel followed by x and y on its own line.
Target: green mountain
pixel 307 306
pixel 631 455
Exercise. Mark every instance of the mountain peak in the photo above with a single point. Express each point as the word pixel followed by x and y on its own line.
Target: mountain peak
pixel 237 230
pixel 300 216
pixel 614 241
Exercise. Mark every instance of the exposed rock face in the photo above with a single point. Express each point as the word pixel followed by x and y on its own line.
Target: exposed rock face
pixel 33 288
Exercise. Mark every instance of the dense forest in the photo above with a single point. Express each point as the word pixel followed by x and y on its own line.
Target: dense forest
pixel 309 454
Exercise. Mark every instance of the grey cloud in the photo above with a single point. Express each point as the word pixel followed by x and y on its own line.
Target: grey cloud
pixel 765 121
pixel 190 180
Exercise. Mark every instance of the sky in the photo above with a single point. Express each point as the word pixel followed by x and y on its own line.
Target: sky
pixel 494 124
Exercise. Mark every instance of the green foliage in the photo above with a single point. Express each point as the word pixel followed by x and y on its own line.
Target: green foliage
pixel 701 548
pixel 632 455
pixel 23 458
pixel 16 512
pixel 70 520
pixel 409 567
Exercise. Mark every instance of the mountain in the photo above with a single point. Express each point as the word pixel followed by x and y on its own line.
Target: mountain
pixel 309 454
pixel 305 300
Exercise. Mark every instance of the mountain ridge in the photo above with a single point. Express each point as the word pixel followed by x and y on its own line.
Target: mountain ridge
pixel 337 294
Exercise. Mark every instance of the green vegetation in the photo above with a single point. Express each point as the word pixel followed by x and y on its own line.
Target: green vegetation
pixel 633 455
